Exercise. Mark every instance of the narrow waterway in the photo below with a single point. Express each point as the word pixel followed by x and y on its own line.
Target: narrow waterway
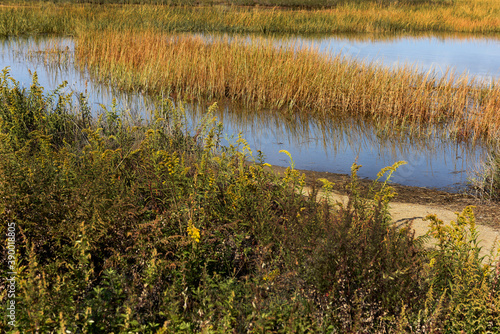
pixel 478 57
pixel 329 146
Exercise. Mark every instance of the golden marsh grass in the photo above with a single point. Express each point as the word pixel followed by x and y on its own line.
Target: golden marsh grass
pixel 261 75
pixel 481 16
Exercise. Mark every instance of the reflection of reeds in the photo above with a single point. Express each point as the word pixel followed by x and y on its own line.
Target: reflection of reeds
pixel 334 135
pixel 54 55
pixel 304 81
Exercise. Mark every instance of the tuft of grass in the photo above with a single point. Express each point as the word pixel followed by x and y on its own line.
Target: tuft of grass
pixel 486 182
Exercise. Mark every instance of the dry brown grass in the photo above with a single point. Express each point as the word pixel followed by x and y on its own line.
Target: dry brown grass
pixel 263 76
pixel 479 17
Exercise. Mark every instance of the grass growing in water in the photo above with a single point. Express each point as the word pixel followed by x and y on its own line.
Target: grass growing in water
pixel 264 76
pixel 122 225
pixel 486 182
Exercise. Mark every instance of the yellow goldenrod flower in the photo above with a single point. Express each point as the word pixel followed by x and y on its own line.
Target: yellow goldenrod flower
pixel 193 232
pixel 271 275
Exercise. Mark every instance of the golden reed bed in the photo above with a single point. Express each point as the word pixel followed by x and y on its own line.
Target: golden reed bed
pixel 261 75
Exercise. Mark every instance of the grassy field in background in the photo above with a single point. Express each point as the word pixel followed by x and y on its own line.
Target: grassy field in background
pixel 304 4
pixel 482 17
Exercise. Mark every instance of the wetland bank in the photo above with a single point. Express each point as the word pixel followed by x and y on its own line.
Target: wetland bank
pixel 153 223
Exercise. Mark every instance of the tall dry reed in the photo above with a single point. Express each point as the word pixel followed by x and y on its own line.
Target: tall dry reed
pixel 262 75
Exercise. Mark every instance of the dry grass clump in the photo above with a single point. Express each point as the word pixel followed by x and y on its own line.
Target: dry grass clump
pixel 485 182
pixel 262 75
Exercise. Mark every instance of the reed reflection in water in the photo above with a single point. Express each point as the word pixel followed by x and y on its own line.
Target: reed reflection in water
pixel 333 145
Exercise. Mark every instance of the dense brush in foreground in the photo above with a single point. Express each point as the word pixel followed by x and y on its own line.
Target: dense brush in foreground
pixel 125 226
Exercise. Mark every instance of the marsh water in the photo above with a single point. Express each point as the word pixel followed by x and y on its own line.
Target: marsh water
pixel 439 53
pixel 327 146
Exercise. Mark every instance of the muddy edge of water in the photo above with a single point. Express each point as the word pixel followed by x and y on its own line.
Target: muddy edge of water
pixel 486 213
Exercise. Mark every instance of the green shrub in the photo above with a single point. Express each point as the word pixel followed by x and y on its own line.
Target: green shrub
pixel 463 281
pixel 123 226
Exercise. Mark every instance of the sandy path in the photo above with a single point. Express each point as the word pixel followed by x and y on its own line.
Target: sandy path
pixel 402 213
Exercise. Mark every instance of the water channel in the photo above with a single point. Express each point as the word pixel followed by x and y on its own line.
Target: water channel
pixel 331 147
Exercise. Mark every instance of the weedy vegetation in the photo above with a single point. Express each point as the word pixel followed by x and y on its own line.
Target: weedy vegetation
pixel 129 225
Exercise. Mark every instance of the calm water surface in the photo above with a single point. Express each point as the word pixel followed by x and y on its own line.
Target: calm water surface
pixel 331 147
pixel 478 57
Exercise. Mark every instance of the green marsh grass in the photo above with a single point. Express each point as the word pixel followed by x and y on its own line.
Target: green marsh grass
pixel 261 75
pixel 304 4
